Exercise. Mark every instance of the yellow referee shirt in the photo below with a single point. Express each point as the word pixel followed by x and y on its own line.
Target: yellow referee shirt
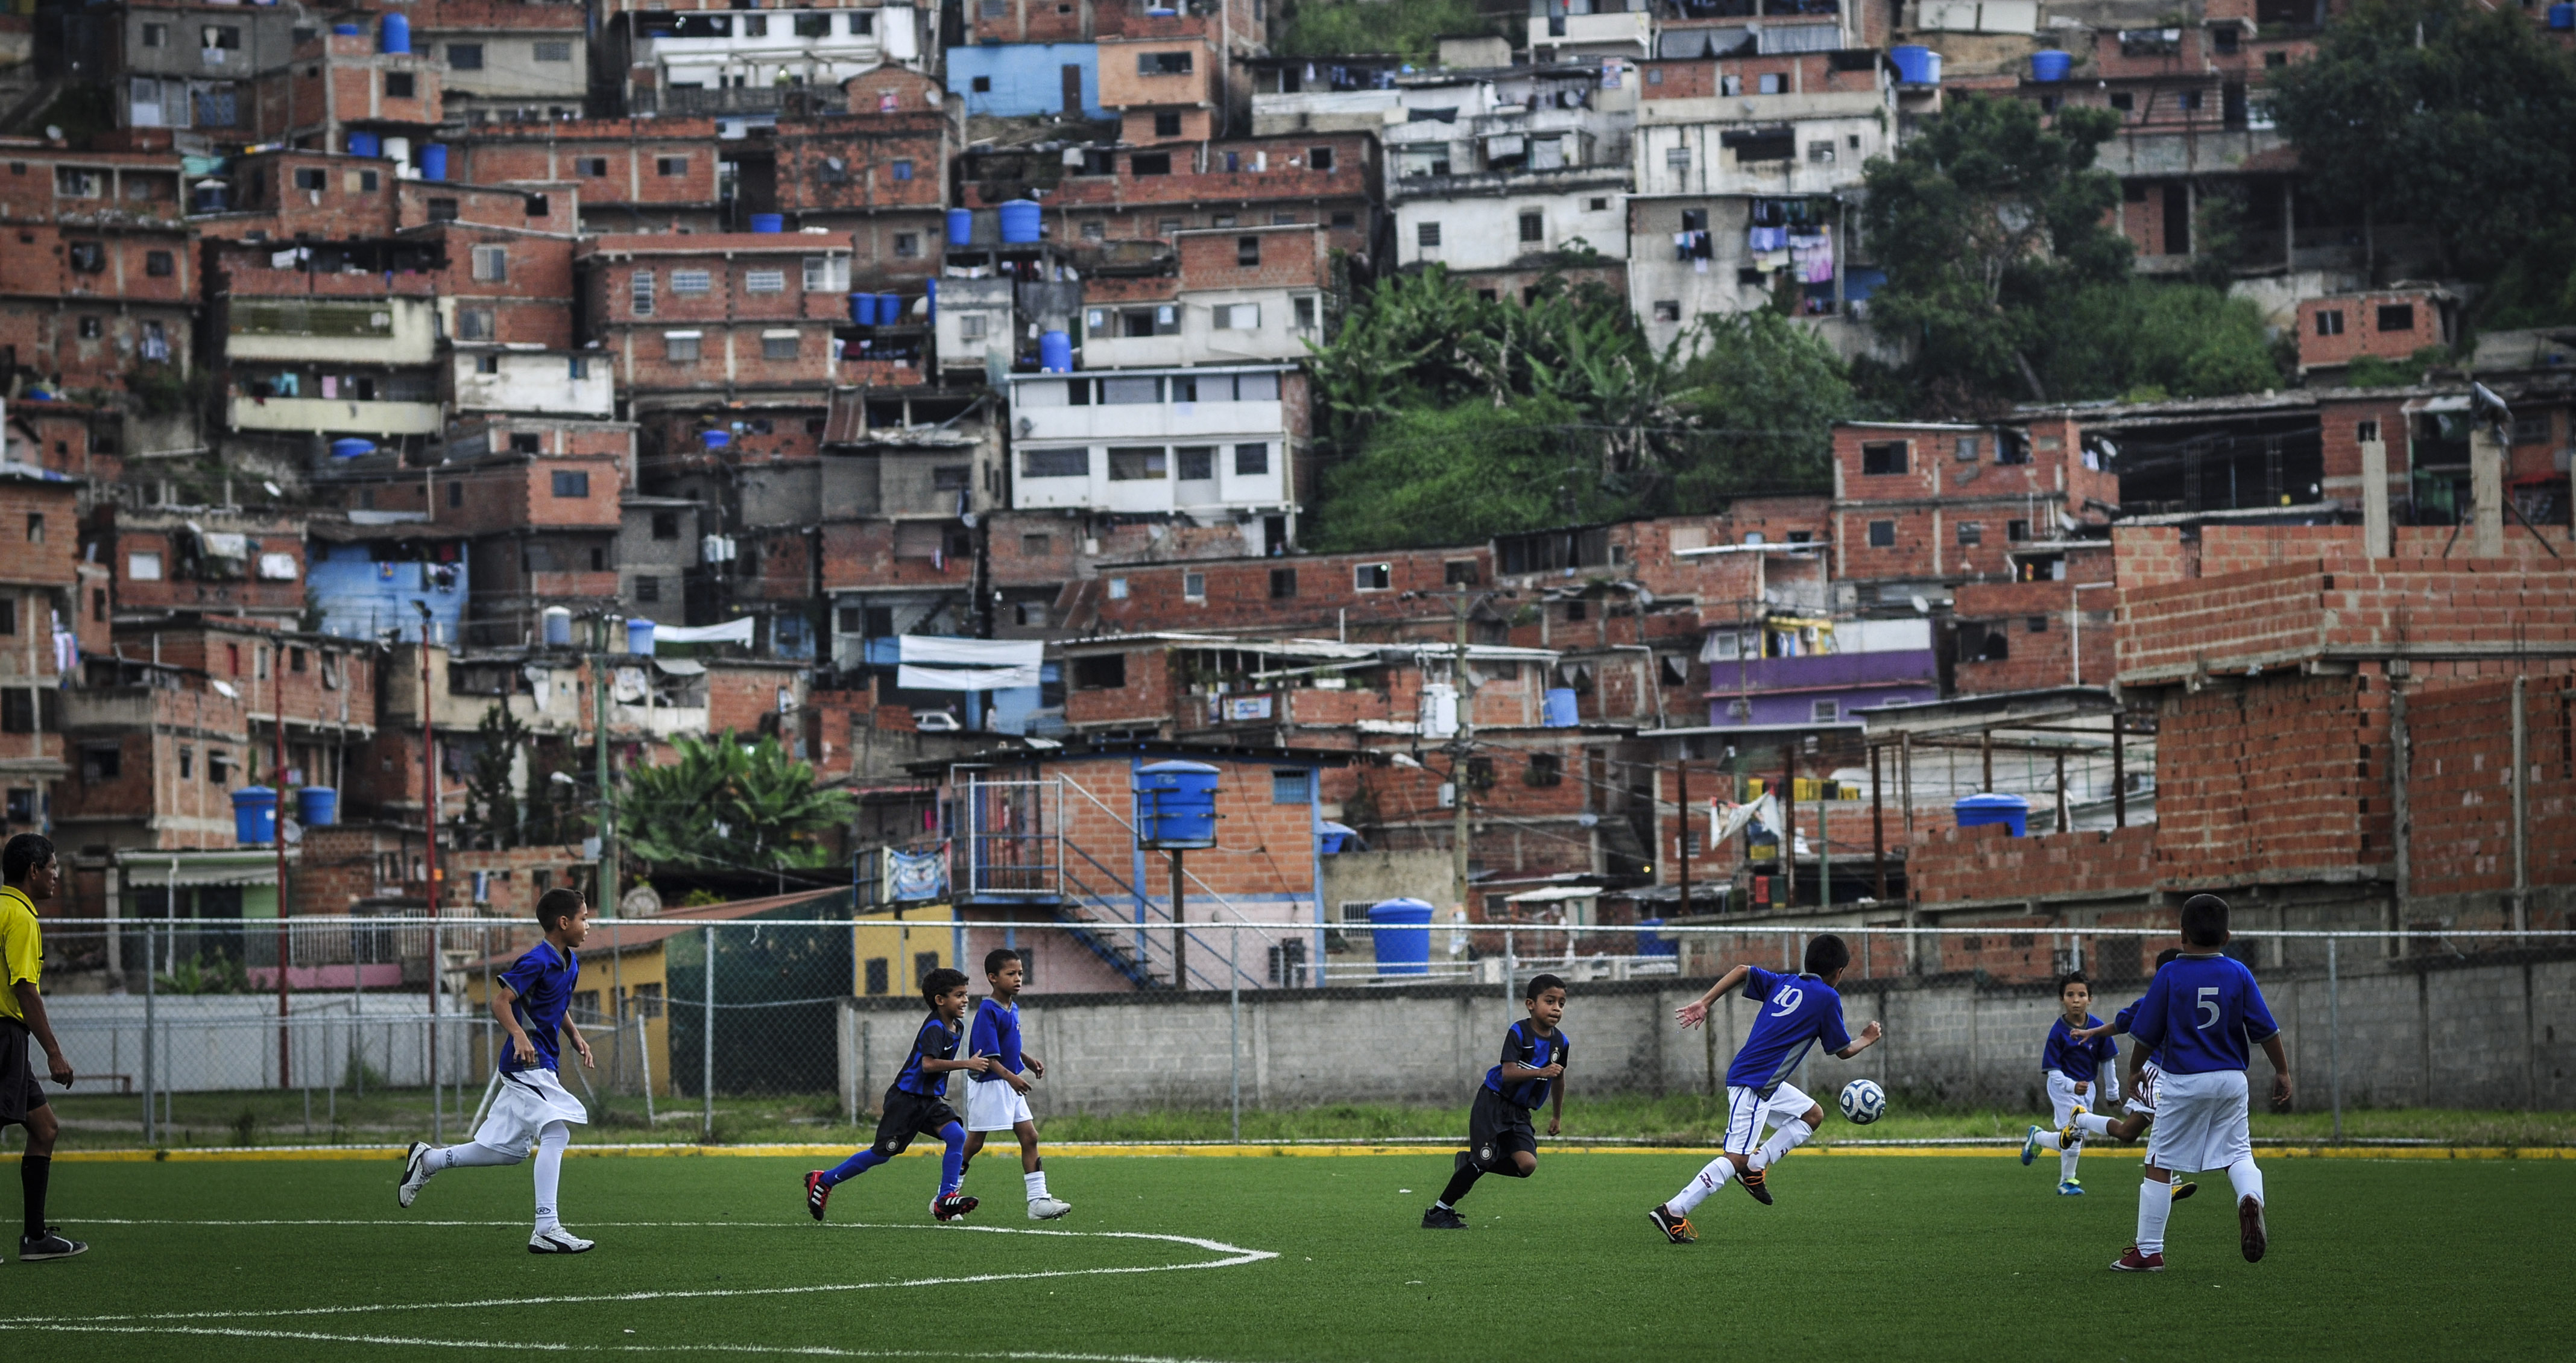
pixel 22 948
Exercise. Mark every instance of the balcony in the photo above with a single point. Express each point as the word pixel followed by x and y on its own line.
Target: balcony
pixel 1592 31
pixel 335 416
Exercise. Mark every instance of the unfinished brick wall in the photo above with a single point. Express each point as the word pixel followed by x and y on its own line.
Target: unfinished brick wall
pixel 2342 328
pixel 2043 656
pixel 2270 616
pixel 2461 785
pixel 2277 778
pixel 1321 591
pixel 1949 865
pixel 1265 850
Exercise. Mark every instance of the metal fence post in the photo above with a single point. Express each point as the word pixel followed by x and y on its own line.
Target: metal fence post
pixel 2334 1036
pixel 1510 968
pixel 437 978
pixel 707 1042
pixel 644 1057
pixel 151 1039
pixel 1234 1022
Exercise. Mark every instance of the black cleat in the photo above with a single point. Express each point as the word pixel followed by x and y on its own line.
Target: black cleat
pixel 2183 1190
pixel 952 1206
pixel 817 1193
pixel 1755 1184
pixel 1677 1229
pixel 2253 1236
pixel 50 1245
pixel 1442 1218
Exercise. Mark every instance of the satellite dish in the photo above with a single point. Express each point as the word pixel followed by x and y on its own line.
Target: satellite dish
pixel 641 902
pixel 53 132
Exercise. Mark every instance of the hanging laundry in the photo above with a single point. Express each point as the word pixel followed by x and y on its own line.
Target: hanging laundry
pixel 1814 258
pixel 1759 239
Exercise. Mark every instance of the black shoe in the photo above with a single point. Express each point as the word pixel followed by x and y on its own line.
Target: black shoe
pixel 1676 1229
pixel 1755 1184
pixel 1442 1218
pixel 952 1206
pixel 50 1245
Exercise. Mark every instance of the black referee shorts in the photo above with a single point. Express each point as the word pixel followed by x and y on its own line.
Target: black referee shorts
pixel 1497 1127
pixel 908 1115
pixel 22 1090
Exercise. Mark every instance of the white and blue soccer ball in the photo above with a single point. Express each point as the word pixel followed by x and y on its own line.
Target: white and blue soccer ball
pixel 1863 1102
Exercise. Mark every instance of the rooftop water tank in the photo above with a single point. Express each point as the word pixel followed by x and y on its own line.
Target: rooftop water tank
pixel 2012 811
pixel 639 636
pixel 352 447
pixel 1023 222
pixel 1175 805
pixel 1402 937
pixel 2050 66
pixel 254 815
pixel 433 161
pixel 768 222
pixel 961 227
pixel 1055 352
pixel 396 35
pixel 558 626
pixel 366 144
pixel 1916 65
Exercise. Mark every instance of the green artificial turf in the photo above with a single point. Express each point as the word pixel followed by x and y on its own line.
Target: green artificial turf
pixel 1909 1257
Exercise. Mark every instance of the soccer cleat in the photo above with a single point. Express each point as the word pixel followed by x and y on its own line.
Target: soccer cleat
pixel 2131 1261
pixel 1755 1184
pixel 2183 1190
pixel 1442 1218
pixel 817 1194
pixel 2030 1147
pixel 558 1241
pixel 1047 1208
pixel 2070 1188
pixel 416 1172
pixel 2070 1135
pixel 50 1245
pixel 951 1206
pixel 1677 1229
pixel 2250 1230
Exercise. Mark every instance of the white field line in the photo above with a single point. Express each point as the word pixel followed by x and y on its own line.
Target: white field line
pixel 524 1346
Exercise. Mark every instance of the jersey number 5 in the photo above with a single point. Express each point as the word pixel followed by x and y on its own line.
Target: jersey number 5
pixel 2209 1012
pixel 1788 1001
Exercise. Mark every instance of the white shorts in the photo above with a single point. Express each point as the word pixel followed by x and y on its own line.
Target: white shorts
pixel 1748 1113
pixel 2144 1100
pixel 522 1106
pixel 995 1106
pixel 2201 1122
pixel 2062 1098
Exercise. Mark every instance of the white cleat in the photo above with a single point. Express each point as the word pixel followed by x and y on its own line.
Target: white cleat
pixel 558 1241
pixel 416 1172
pixel 1047 1208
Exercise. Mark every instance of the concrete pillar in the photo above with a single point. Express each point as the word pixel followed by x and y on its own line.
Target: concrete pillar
pixel 2486 490
pixel 2374 498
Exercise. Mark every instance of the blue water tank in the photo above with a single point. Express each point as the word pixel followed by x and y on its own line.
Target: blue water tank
pixel 639 636
pixel 1055 352
pixel 930 301
pixel 346 30
pixel 2562 17
pixel 2012 811
pixel 254 815
pixel 1175 805
pixel 397 35
pixel 317 806
pixel 433 161
pixel 889 310
pixel 1559 710
pixel 1655 943
pixel 768 222
pixel 558 626
pixel 366 144
pixel 2050 66
pixel 1916 65
pixel 1402 936
pixel 716 440
pixel 352 447
pixel 1023 222
pixel 961 227
pixel 210 196
pixel 863 309
pixel 1331 837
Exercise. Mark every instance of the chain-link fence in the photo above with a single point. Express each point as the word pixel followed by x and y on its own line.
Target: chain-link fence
pixel 705 1027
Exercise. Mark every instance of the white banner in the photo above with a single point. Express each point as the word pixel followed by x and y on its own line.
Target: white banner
pixel 933 663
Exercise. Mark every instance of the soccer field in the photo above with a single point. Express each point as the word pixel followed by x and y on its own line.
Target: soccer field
pixel 1295 1257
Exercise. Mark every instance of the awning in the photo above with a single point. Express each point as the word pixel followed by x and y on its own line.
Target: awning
pixel 679 667
pixel 731 632
pixel 935 663
pixel 1555 894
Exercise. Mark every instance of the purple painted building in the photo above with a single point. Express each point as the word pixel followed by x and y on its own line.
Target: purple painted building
pixel 1854 665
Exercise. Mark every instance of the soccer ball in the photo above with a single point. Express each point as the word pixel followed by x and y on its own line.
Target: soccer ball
pixel 1863 1102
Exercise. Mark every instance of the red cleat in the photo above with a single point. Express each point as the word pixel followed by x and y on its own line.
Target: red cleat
pixel 951 1206
pixel 817 1193
pixel 2131 1261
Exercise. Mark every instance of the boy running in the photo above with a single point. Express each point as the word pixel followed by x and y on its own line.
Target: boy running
pixel 532 1002
pixel 2071 1061
pixel 1530 1073
pixel 1798 1011
pixel 917 1102
pixel 2142 1096
pixel 996 1099
pixel 2197 1018
pixel 32 874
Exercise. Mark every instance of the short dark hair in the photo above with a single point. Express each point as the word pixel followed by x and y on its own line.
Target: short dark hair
pixel 2166 956
pixel 2073 977
pixel 1540 984
pixel 1826 954
pixel 2204 920
pixel 25 853
pixel 940 981
pixel 554 906
pixel 997 958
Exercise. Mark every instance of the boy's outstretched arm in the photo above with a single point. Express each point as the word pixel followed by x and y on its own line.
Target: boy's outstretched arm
pixel 1868 1037
pixel 2280 1070
pixel 1695 1012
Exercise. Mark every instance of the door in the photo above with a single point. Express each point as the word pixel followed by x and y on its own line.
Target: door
pixel 1072 76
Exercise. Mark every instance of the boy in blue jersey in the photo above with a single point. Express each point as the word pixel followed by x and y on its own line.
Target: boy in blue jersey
pixel 1797 1012
pixel 2198 1018
pixel 1499 1134
pixel 2141 1095
pixel 2070 1065
pixel 917 1102
pixel 532 1001
pixel 997 1099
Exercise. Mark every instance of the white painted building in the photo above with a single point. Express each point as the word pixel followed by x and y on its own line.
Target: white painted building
pixel 1492 169
pixel 530 378
pixel 760 49
pixel 1561 30
pixel 1214 443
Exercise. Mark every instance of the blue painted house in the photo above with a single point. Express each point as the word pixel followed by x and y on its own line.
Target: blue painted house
pixel 1013 80
pixel 363 580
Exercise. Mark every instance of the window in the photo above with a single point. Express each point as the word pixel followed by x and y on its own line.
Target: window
pixel 982 85
pixel 554 52
pixel 2276 57
pixel 1291 786
pixel 778 345
pixel 1303 310
pixel 2189 100
pixel 813 25
pixel 1194 586
pixel 492 263
pixel 219 38
pixel 219 767
pixel 640 293
pixel 1820 153
pixel 907 245
pixel 1167 125
pixel 1283 584
pixel 826 274
pixel 764 281
pixel 537 205
pixel 1055 463
pixel 456 494
pixel 591 167
pixel 398 85
pixel 1370 577
pixel 2016 531
pixel 861 25
pixel 692 281
pixel 1251 460
pixel 474 324
pixel 1825 711
pixel 680 347
pixel 2036 624
pixel 159 264
pixel 2124 101
pixel 309 177
pixel 143 565
pixel 1196 463
pixel 568 484
pixel 952 477
pixel 1133 464
pixel 1533 227
pixel 91 328
pixel 1102 672
pixel 1247 250
pixel 648 589
pixel 670 165
pixel 901 169
pixel 1677 160
pixel 1150 163
pixel 1971 533
pixel 1162 63
pixel 2531 429
pixel 1771 83
pixel 1426 234
pixel 2330 321
pixel 1883 457
pixel 156 35
pixel 1117 589
pixel 1668 310
pixel 442 210
pixel 1238 317
pixel 1130 392
pixel 970 326
pixel 2396 317
pixel 1882 534
pixel 465 56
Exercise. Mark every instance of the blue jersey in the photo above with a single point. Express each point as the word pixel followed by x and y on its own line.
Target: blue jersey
pixel 936 1041
pixel 2077 1060
pixel 997 1033
pixel 1523 1045
pixel 543 980
pixel 1798 1011
pixel 2201 1014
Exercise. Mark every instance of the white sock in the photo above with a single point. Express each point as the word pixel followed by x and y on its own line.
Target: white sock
pixel 1037 1184
pixel 2046 1140
pixel 2245 1179
pixel 1792 1134
pixel 2092 1124
pixel 1708 1180
pixel 2155 1203
pixel 550 1147
pixel 2066 1163
pixel 469 1156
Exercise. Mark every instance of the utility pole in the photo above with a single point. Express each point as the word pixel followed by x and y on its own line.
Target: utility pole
pixel 285 943
pixel 609 879
pixel 1681 796
pixel 428 845
pixel 1461 743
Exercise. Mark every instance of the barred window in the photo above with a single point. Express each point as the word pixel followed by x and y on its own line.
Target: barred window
pixel 640 292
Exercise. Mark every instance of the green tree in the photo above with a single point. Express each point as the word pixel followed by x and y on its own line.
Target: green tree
pixel 1462 473
pixel 493 816
pixel 730 805
pixel 2139 338
pixel 1343 28
pixel 1762 394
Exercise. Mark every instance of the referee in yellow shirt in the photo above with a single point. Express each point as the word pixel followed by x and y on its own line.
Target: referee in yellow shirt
pixel 28 867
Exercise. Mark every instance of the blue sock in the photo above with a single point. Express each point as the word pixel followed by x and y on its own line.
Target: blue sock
pixel 952 1164
pixel 852 1167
